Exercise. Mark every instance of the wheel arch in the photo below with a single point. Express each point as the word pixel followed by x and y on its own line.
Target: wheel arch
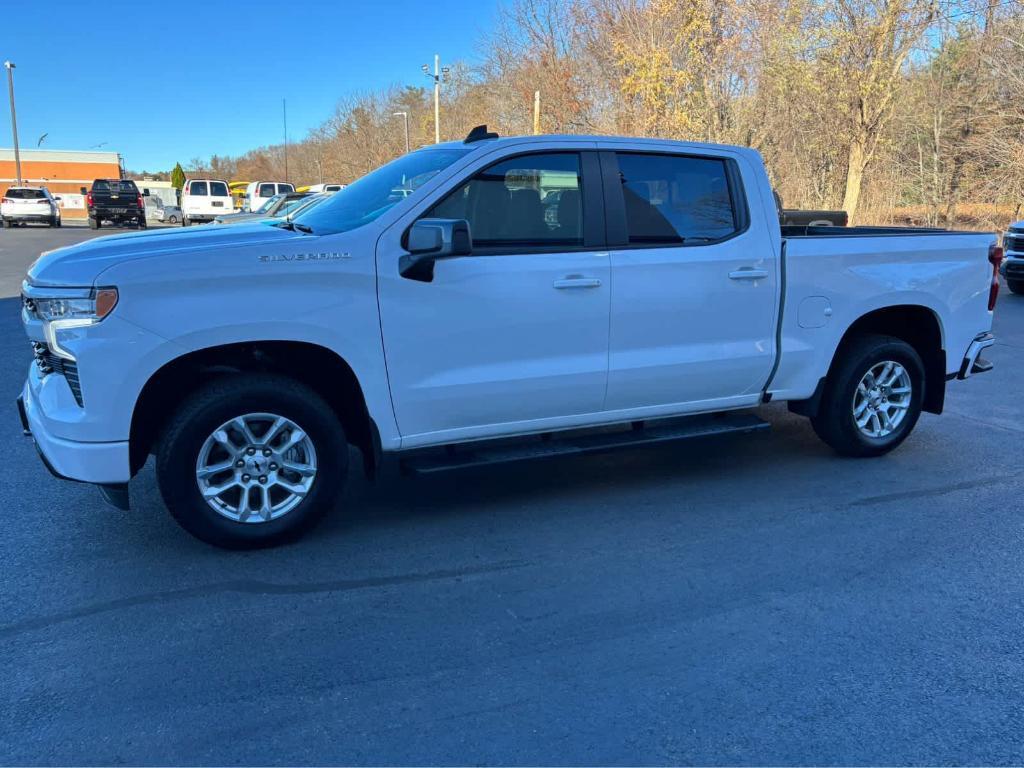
pixel 316 366
pixel 916 324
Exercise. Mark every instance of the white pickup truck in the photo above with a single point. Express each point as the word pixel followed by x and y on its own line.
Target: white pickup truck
pixel 481 301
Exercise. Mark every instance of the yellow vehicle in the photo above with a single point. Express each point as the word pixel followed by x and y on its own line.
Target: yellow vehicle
pixel 238 193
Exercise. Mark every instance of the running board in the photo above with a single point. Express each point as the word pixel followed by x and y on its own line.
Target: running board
pixel 550 445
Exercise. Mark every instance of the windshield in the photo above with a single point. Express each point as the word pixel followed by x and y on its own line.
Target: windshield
pixel 365 199
pixel 265 208
pixel 292 206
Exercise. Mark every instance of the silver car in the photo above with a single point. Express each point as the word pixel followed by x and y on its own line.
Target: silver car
pixel 169 214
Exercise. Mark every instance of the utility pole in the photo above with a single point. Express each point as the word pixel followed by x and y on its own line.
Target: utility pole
pixel 438 72
pixel 9 66
pixel 405 116
pixel 536 113
pixel 284 112
pixel 437 99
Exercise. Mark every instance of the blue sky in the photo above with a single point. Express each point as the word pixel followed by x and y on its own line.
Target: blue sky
pixel 162 82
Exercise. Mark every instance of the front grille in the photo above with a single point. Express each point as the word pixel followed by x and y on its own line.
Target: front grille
pixel 48 363
pixel 1015 269
pixel 1013 242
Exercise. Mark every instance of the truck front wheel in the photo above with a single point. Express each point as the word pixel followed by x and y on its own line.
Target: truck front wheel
pixel 1015 286
pixel 872 397
pixel 251 461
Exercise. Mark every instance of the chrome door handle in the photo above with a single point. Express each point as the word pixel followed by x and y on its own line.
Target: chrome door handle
pixel 574 281
pixel 748 273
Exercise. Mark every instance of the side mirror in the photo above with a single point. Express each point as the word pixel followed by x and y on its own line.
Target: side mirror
pixel 431 239
pixel 145 192
pixel 57 198
pixel 83 190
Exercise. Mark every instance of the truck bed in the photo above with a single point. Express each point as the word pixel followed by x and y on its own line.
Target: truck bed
pixel 835 275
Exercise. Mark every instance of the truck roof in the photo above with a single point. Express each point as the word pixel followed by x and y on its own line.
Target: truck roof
pixel 584 138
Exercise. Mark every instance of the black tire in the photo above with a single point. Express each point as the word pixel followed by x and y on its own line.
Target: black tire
pixel 1015 286
pixel 185 221
pixel 141 224
pixel 94 223
pixel 216 404
pixel 56 221
pixel 835 424
pixel 173 219
pixel 5 223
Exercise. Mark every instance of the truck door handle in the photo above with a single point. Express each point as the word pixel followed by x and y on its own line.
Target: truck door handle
pixel 748 273
pixel 576 281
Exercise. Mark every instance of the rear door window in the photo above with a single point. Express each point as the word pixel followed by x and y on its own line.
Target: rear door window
pixel 219 189
pixel 198 188
pixel 285 188
pixel 674 199
pixel 266 190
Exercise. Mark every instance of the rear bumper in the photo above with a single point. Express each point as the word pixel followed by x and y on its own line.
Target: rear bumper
pixel 973 362
pixel 109 215
pixel 30 216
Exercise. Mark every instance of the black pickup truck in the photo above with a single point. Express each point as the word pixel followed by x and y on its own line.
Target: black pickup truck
pixel 117 201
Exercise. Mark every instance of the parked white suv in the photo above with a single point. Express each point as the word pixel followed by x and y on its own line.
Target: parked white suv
pixel 204 199
pixel 258 192
pixel 21 205
pixel 466 323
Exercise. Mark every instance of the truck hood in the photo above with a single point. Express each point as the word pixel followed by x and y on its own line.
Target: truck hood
pixel 79 265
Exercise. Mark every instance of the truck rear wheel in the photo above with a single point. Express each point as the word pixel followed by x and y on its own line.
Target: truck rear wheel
pixel 94 223
pixel 251 461
pixel 872 397
pixel 1015 286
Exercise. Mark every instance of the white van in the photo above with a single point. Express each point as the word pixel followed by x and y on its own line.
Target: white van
pixel 258 192
pixel 203 199
pixel 327 187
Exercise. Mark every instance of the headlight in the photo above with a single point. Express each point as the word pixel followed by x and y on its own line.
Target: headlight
pixel 63 310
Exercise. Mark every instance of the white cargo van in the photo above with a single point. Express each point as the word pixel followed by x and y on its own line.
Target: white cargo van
pixel 203 199
pixel 258 192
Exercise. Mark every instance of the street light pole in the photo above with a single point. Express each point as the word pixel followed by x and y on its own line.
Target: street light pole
pixel 284 113
pixel 405 116
pixel 9 66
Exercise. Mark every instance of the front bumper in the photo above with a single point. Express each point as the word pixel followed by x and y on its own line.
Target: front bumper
pixel 1012 267
pixel 99 463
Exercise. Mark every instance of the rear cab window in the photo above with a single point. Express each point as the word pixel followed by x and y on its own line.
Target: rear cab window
pixel 198 188
pixel 677 199
pixel 115 186
pixel 219 189
pixel 266 190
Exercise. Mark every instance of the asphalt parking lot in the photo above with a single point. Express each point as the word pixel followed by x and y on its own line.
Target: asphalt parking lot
pixel 745 600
